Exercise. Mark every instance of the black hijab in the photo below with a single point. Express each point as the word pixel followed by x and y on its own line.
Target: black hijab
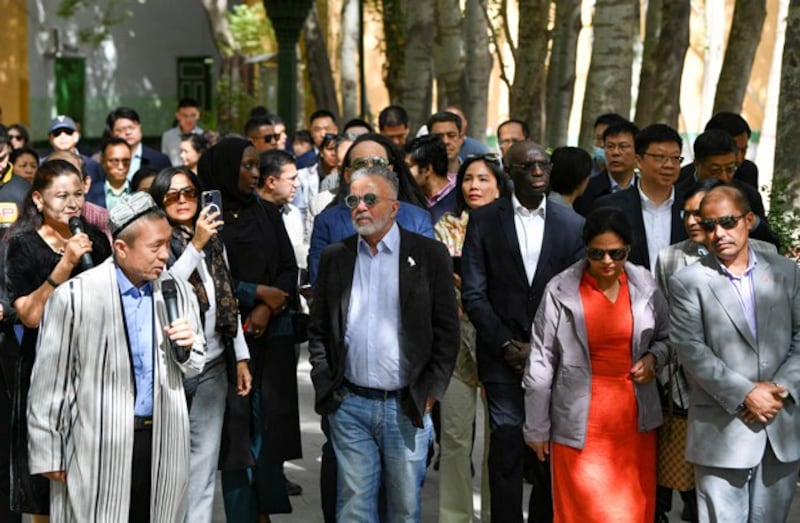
pixel 219 169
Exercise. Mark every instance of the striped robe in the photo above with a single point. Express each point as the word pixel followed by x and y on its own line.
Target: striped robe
pixel 80 408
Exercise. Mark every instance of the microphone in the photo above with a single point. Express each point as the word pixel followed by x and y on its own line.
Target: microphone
pixel 76 226
pixel 170 293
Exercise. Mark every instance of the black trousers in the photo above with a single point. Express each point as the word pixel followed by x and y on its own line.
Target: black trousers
pixel 139 511
pixel 5 454
pixel 507 457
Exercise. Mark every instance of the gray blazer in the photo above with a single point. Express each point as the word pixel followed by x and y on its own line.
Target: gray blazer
pixel 558 380
pixel 722 360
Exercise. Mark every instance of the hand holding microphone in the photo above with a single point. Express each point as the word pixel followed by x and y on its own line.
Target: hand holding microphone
pixel 84 244
pixel 179 329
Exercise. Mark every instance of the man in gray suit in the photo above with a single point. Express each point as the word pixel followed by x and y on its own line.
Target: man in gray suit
pixel 735 324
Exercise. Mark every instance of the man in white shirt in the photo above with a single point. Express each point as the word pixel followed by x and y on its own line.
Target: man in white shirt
pixel 187 115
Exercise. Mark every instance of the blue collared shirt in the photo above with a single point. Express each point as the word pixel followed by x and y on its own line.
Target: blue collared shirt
pixel 745 291
pixel 138 306
pixel 372 333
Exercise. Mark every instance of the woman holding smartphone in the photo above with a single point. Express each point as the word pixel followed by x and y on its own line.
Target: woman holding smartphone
pixel 198 255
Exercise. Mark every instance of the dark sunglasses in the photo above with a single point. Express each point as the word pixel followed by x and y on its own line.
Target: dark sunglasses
pixel 487 157
pixel 368 161
pixel 685 214
pixel 527 167
pixel 726 222
pixel 269 138
pixel 600 254
pixel 59 132
pixel 15 137
pixel 370 200
pixel 174 195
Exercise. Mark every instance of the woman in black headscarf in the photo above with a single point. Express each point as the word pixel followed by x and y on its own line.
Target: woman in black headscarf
pixel 262 431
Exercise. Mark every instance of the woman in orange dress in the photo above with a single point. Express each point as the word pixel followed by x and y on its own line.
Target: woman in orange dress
pixel 591 403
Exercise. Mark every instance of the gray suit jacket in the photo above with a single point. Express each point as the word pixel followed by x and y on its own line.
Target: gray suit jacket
pixel 722 360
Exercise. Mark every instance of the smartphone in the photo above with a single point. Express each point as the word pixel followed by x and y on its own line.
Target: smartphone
pixel 213 199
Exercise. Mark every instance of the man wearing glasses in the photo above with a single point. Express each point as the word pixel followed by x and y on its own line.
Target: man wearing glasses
pixel 512 249
pixel 116 160
pixel 652 206
pixel 261 133
pixel 383 339
pixel 735 326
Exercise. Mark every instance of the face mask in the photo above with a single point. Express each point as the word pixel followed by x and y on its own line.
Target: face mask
pixel 599 155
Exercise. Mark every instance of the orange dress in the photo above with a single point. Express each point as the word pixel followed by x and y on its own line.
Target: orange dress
pixel 613 478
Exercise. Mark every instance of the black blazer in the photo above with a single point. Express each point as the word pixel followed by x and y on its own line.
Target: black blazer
pixel 154 159
pixel 746 173
pixel 428 321
pixel 597 187
pixel 629 201
pixel 498 298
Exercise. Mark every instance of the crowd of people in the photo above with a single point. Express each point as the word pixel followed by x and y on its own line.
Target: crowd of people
pixel 623 317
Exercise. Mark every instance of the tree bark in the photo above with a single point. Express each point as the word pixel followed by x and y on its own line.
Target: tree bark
pixel 527 93
pixel 608 85
pixel 748 19
pixel 788 129
pixel 561 73
pixel 417 94
pixel 448 52
pixel 394 41
pixel 350 32
pixel 318 65
pixel 478 67
pixel 217 21
pixel 662 64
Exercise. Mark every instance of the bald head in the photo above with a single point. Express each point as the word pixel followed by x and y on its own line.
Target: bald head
pixel 729 194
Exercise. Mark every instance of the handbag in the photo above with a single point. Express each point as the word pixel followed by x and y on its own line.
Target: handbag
pixel 672 469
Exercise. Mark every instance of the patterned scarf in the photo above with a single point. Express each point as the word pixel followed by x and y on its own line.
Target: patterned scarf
pixel 227 306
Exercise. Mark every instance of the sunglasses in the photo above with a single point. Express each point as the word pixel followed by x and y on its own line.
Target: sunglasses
pixel 615 254
pixel 269 138
pixel 487 157
pixel 726 222
pixel 174 195
pixel 59 132
pixel 370 200
pixel 368 161
pixel 17 137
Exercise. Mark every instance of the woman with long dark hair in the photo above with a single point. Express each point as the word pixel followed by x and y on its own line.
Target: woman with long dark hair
pixel 43 253
pixel 262 431
pixel 198 255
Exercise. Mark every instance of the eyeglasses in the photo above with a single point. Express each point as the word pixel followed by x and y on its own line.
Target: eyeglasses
pixel 174 195
pixel 370 200
pixel 663 158
pixel 694 212
pixel 119 161
pixel 17 137
pixel 621 147
pixel 269 138
pixel 726 222
pixel 486 157
pixel 542 165
pixel 369 161
pixel 59 132
pixel 600 254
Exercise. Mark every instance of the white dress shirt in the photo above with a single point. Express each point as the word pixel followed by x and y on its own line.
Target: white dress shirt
pixel 530 233
pixel 657 225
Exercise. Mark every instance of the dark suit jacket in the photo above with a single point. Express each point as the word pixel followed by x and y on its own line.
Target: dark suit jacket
pixel 498 298
pixel 428 321
pixel 629 202
pixel 746 173
pixel 598 186
pixel 154 159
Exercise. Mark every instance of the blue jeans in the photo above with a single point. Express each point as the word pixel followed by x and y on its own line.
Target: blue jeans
pixel 374 439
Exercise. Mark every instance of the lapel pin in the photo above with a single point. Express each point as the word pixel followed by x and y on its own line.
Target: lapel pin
pixel 411 262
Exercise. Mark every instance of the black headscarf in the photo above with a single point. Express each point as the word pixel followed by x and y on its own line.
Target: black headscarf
pixel 219 167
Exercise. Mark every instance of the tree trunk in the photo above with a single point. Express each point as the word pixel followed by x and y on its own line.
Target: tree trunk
pixel 478 67
pixel 217 21
pixel 319 66
pixel 662 65
pixel 394 40
pixel 448 55
pixel 748 19
pixel 788 129
pixel 351 32
pixel 561 73
pixel 608 85
pixel 527 93
pixel 417 92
